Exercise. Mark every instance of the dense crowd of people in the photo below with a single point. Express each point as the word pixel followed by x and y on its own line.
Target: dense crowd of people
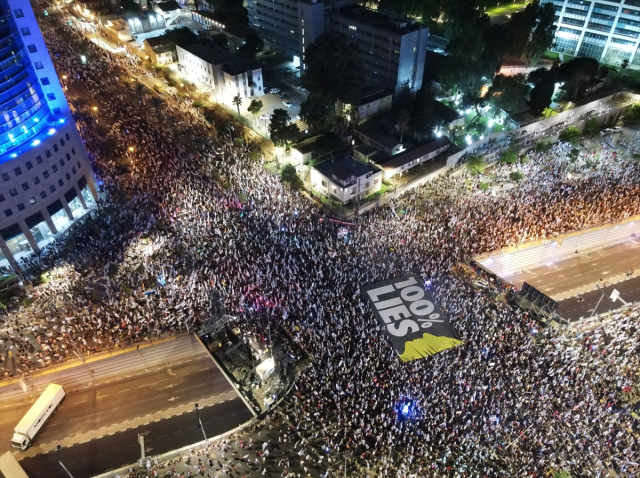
pixel 185 215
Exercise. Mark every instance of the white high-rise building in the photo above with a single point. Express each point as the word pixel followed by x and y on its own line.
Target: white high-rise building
pixel 608 31
pixel 46 180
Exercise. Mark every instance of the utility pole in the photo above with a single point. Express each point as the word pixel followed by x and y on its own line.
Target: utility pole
pixel 141 441
pixel 200 424
pixel 60 464
pixel 599 300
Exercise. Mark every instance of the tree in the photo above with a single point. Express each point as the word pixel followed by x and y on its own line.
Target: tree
pixel 255 107
pixel 510 156
pixel 577 73
pixel 516 176
pixel 570 135
pixel 282 132
pixel 314 112
pixel 541 38
pixel 633 114
pixel 476 165
pixel 538 75
pixel 423 119
pixel 252 44
pixel 237 100
pixel 403 122
pixel 541 95
pixel 289 175
pixel 506 91
pixel 544 146
pixel 532 30
pixel 334 69
pixel 591 127
pixel 475 49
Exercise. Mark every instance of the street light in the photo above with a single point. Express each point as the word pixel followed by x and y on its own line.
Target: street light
pixel 200 423
pixel 58 462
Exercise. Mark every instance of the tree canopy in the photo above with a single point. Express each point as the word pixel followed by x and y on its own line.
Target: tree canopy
pixel 506 91
pixel 281 130
pixel 315 113
pixel 334 69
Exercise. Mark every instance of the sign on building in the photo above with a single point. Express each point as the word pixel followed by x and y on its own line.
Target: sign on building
pixel 413 321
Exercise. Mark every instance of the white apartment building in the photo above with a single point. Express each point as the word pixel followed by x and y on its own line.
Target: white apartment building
pixel 344 179
pixel 205 63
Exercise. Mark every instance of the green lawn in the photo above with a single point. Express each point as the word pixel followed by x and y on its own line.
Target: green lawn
pixel 553 56
pixel 505 8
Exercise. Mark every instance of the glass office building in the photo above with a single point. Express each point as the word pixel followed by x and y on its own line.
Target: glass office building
pixel 46 180
pixel 608 31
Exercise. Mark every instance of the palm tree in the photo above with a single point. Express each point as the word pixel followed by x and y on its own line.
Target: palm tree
pixel 237 100
pixel 254 108
pixel 403 121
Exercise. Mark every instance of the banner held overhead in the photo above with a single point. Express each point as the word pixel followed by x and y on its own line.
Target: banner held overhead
pixel 415 324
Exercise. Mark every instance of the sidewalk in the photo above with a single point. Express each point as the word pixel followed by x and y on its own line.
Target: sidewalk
pixel 270 448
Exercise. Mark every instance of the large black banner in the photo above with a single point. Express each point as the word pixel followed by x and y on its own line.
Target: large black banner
pixel 415 324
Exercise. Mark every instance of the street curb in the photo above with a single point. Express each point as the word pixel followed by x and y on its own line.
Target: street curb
pixel 125 469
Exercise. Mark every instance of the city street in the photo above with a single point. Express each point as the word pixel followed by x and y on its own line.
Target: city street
pixel 101 368
pixel 564 279
pixel 142 393
pixel 571 309
pixel 113 451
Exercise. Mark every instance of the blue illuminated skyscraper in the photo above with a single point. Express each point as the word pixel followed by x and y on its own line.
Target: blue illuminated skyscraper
pixel 46 180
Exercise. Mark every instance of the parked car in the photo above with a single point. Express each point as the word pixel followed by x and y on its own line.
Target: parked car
pixel 302 89
pixel 283 96
pixel 275 91
pixel 288 104
pixel 617 129
pixel 606 131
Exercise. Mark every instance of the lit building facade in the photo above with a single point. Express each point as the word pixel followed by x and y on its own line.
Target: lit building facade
pixel 608 31
pixel 46 180
pixel 393 50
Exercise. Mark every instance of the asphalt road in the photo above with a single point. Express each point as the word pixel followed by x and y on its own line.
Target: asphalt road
pixel 124 399
pixel 561 278
pixel 120 449
pixel 572 310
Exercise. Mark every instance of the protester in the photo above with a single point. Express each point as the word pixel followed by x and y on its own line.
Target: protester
pixel 191 217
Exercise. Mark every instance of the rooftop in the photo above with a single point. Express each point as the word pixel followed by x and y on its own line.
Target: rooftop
pixel 212 16
pixel 445 112
pixel 307 146
pixel 343 167
pixel 208 51
pixel 239 31
pixel 403 158
pixel 379 20
pixel 374 96
pixel 169 6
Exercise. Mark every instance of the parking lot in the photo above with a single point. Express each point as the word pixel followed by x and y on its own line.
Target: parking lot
pixel 271 101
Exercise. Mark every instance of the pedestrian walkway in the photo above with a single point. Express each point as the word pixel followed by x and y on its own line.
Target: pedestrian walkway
pixel 270 448
pixel 76 375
